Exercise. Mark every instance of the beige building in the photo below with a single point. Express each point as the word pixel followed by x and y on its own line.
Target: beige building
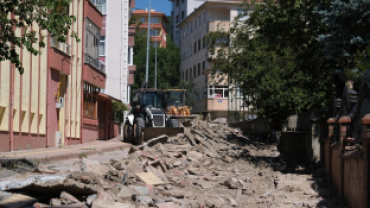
pixel 215 95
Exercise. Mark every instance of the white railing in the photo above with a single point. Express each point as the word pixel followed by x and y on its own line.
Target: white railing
pixel 64 47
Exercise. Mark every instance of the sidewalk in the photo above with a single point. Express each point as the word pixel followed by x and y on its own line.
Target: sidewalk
pixel 68 152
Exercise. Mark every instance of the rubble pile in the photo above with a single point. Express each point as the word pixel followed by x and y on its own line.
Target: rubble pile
pixel 210 165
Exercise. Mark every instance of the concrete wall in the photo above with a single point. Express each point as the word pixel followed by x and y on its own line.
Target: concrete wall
pixel 116 43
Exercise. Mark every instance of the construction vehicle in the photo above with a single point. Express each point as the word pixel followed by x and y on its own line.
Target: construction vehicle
pixel 148 117
pixel 154 113
pixel 175 105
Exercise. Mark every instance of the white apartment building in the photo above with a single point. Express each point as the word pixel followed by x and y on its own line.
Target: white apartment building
pixel 116 48
pixel 215 96
pixel 180 10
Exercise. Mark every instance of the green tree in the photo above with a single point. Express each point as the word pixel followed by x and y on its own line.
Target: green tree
pixel 50 15
pixel 191 92
pixel 274 57
pixel 347 35
pixel 168 62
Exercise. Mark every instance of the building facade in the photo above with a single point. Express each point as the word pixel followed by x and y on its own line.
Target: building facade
pixel 180 10
pixel 158 21
pixel 59 99
pixel 116 48
pixel 216 95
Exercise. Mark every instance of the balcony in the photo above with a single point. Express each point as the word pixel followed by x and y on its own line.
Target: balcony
pixel 213 56
pixel 94 71
pixel 93 13
pixel 63 47
pixel 60 55
pixel 218 25
pixel 94 62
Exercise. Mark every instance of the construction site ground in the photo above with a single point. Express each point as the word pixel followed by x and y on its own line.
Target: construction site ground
pixel 210 165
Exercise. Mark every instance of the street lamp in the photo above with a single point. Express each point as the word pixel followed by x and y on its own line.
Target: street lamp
pixel 147 45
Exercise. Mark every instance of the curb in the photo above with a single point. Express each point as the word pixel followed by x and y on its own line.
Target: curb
pixel 74 155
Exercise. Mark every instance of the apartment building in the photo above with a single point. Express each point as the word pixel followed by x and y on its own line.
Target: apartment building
pixel 59 99
pixel 216 95
pixel 116 48
pixel 180 10
pixel 158 21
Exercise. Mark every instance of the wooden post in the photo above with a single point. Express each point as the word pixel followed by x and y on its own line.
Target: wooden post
pixel 344 125
pixel 365 122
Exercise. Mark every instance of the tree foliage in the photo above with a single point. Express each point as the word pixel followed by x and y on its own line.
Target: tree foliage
pixel 347 34
pixel 50 15
pixel 168 62
pixel 274 57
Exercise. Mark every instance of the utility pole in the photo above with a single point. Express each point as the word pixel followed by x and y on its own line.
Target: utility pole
pixel 155 76
pixel 147 46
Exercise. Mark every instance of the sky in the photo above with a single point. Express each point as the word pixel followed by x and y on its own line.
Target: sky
pixel 158 5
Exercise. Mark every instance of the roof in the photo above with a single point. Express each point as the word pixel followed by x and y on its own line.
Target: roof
pixel 108 97
pixel 152 13
pixel 206 3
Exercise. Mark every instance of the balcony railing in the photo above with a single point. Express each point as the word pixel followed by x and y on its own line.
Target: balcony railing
pixel 218 26
pixel 94 62
pixel 98 4
pixel 64 47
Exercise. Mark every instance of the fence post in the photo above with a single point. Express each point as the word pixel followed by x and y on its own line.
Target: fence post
pixel 344 125
pixel 365 122
pixel 331 124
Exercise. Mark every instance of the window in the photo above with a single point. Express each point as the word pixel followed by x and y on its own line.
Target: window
pixel 129 56
pixel 190 72
pixel 238 93
pixel 204 17
pixel 195 23
pixel 142 19
pixel 198 69
pixel 177 3
pixel 156 32
pixel 195 70
pixel 195 46
pixel 200 20
pixel 177 18
pixel 191 50
pixel 191 26
pixel 199 46
pixel 218 91
pixel 154 20
pixel 182 15
pixel 103 6
pixel 243 15
pixel 89 101
pixel 183 32
pixel 177 35
pixel 204 65
pixel 187 29
pixel 186 71
pixel 204 42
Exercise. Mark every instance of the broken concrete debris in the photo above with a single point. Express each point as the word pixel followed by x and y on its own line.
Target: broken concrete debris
pixel 210 165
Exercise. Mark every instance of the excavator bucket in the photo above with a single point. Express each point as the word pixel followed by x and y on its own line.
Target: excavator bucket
pixel 149 133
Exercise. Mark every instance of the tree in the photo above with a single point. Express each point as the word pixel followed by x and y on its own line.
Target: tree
pixel 168 62
pixel 347 35
pixel 50 15
pixel 274 57
pixel 191 91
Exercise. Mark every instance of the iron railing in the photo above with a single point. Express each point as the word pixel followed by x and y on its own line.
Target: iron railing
pixel 94 62
pixel 64 47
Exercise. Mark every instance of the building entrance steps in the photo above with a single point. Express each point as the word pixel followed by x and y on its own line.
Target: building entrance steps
pixel 68 152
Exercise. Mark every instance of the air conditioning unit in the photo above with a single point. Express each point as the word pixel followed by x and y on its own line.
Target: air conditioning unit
pixel 60 103
pixel 58 138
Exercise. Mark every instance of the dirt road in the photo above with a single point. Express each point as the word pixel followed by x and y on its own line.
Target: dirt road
pixel 211 165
